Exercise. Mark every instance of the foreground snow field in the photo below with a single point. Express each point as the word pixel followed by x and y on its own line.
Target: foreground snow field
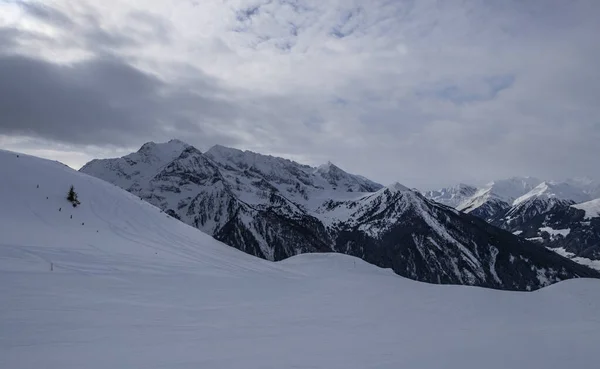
pixel 134 288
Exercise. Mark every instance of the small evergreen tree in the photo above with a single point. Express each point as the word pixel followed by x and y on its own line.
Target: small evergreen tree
pixel 72 196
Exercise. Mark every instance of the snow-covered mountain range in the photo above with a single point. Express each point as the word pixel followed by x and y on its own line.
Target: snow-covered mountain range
pixel 486 201
pixel 547 212
pixel 496 196
pixel 117 283
pixel 452 196
pixel 276 208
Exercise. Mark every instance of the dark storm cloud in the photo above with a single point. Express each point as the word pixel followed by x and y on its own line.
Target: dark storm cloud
pixel 102 100
pixel 8 37
pixel 99 101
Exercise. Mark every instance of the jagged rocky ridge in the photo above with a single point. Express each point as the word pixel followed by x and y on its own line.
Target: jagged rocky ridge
pixel 275 208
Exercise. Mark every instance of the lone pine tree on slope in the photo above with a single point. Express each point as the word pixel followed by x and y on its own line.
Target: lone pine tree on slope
pixel 72 196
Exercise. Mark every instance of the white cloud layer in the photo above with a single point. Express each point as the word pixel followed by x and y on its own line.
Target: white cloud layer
pixel 424 92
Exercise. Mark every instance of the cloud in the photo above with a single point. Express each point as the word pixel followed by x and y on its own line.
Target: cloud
pixel 424 92
pixel 97 101
pixel 45 13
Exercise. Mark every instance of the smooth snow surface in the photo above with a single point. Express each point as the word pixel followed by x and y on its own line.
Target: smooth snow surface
pixel 591 208
pixel 134 288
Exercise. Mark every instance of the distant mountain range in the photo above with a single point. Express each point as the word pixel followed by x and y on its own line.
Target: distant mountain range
pixel 275 208
pixel 563 216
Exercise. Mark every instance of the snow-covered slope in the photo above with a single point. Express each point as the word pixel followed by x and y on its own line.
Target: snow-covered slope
pixel 275 208
pixel 452 196
pixel 547 215
pixel 565 229
pixel 543 199
pixel 134 288
pixel 112 231
pixel 301 183
pixel 497 196
pixel 559 224
pixel 553 191
pixel 591 208
pixel 484 204
pixel 509 189
pixel 138 166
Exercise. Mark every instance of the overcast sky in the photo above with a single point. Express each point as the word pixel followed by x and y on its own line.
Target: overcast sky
pixel 423 92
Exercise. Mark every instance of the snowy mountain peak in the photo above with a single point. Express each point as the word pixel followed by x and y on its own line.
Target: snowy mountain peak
pixel 136 167
pixel 511 188
pixel 166 149
pixel 266 164
pixel 330 170
pixel 545 214
pixel 337 177
pixel 326 167
pixel 451 196
pixel 176 141
pixel 223 151
pixel 397 187
pixel 462 187
pixel 555 191
pixel 284 171
pixel 156 154
pixel 497 196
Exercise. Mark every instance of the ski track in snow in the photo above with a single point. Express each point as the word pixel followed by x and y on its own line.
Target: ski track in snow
pixel 134 288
